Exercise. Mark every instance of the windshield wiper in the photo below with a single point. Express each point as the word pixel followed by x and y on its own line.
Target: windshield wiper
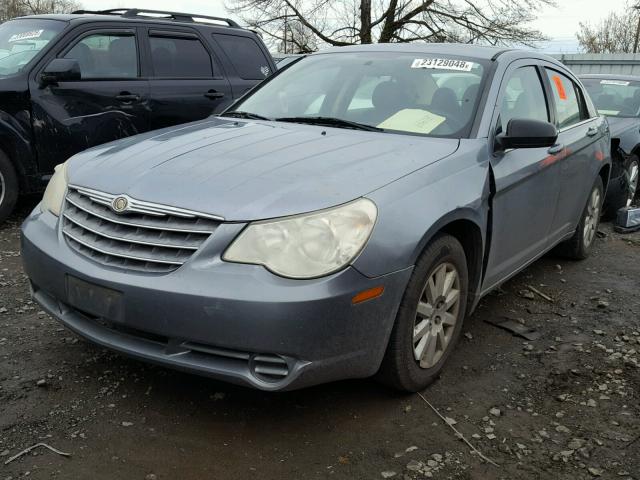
pixel 247 115
pixel 331 122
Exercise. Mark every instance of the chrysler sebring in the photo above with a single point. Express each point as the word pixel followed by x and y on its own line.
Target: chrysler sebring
pixel 340 220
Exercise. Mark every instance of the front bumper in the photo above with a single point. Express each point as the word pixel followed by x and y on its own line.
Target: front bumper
pixel 223 320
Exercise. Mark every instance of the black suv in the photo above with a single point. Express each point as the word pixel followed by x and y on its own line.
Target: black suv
pixel 69 82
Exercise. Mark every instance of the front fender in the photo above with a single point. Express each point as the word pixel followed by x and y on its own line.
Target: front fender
pixel 16 141
pixel 413 209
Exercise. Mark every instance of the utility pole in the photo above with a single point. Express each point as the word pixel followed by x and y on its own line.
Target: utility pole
pixel 635 43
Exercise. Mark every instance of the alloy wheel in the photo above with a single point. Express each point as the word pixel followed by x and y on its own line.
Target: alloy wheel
pixel 592 218
pixel 436 315
pixel 632 182
pixel 3 188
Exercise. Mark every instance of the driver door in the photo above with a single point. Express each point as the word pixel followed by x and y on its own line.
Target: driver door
pixel 526 179
pixel 109 102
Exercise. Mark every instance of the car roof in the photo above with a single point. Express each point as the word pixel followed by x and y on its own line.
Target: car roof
pixel 460 49
pixel 102 17
pixel 610 76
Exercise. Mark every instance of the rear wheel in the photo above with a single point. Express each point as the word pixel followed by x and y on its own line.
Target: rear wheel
pixel 429 319
pixel 579 246
pixel 8 187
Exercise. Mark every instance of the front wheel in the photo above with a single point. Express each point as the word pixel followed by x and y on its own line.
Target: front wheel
pixel 430 317
pixel 8 187
pixel 627 193
pixel 579 246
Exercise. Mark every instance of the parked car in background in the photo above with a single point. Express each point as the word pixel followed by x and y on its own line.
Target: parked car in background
pixel 618 98
pixel 70 82
pixel 322 228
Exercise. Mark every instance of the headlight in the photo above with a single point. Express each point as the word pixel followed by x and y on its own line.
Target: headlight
pixel 309 245
pixel 56 189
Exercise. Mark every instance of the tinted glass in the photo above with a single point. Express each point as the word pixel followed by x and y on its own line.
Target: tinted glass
pixel 21 40
pixel 615 98
pixel 246 56
pixel 396 92
pixel 523 98
pixel 566 99
pixel 105 55
pixel 179 57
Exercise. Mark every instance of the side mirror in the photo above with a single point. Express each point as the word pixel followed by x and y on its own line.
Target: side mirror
pixel 526 133
pixel 60 70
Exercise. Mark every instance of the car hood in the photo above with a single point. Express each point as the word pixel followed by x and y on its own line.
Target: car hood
pixel 619 125
pixel 247 170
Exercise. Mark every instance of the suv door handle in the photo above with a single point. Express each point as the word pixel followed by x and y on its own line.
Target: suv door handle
pixel 212 94
pixel 557 148
pixel 127 97
pixel 592 131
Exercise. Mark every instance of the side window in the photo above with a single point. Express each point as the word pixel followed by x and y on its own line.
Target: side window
pixel 245 55
pixel 523 98
pixel 568 111
pixel 179 57
pixel 106 55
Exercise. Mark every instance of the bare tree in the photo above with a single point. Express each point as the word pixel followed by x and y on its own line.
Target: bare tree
pixel 347 22
pixel 15 8
pixel 616 33
pixel 296 38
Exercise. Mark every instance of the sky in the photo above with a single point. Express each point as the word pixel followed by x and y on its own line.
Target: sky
pixel 559 23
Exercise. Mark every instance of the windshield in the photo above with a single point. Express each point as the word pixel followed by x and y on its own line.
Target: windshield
pixel 414 93
pixel 614 98
pixel 21 40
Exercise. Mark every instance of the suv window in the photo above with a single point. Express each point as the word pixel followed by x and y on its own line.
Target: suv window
pixel 179 57
pixel 566 99
pixel 245 55
pixel 523 98
pixel 106 55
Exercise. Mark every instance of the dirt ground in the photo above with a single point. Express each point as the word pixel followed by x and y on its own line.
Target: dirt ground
pixel 565 406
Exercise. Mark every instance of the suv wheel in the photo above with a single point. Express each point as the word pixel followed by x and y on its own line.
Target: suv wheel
pixel 579 246
pixel 430 317
pixel 8 187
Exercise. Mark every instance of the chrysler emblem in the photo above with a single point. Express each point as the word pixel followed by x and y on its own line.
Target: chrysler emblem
pixel 119 204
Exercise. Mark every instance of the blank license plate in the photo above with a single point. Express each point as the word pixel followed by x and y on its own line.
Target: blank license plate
pixel 95 300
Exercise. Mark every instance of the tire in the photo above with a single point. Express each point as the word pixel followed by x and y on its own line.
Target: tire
pixel 579 246
pixel 400 369
pixel 629 190
pixel 8 187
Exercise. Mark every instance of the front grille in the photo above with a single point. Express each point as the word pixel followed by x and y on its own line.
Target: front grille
pixel 146 237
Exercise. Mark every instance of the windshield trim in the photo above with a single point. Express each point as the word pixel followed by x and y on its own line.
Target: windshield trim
pixel 469 129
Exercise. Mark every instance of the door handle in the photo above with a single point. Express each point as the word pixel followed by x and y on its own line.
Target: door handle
pixel 557 148
pixel 212 94
pixel 592 131
pixel 127 97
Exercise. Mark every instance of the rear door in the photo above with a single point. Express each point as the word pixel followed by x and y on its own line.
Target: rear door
pixel 186 80
pixel 109 102
pixel 526 182
pixel 583 145
pixel 249 61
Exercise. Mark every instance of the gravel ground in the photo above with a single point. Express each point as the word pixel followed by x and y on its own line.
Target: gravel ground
pixel 565 406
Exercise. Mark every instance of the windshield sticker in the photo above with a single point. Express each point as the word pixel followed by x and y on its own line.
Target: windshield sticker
pixel 25 35
pixel 443 64
pixel 413 120
pixel 559 87
pixel 614 82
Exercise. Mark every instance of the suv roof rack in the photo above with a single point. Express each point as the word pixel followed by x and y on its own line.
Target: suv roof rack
pixel 157 14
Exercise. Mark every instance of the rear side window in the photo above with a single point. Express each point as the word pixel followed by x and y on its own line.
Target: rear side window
pixel 245 55
pixel 523 97
pixel 106 55
pixel 179 57
pixel 567 99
